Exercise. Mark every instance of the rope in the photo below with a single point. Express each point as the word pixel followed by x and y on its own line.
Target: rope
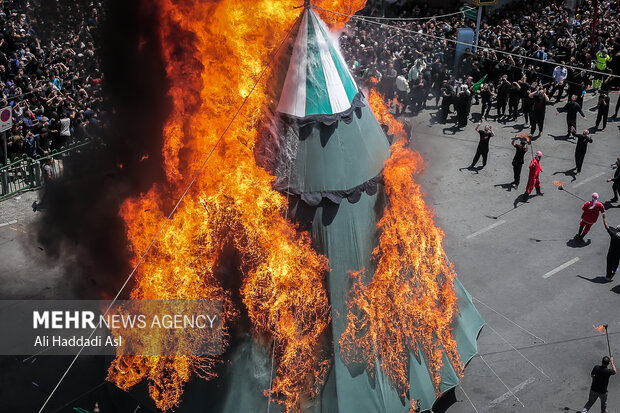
pixel 176 206
pixel 364 19
pixel 440 16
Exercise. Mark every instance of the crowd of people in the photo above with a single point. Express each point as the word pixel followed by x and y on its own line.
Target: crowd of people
pixel 49 76
pixel 528 55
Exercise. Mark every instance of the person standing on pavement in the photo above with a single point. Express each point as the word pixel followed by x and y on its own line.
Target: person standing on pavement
pixel 600 379
pixel 533 180
pixel 483 145
pixel 517 160
pixel 581 148
pixel 603 109
pixel 613 253
pixel 616 181
pixel 571 108
pixel 591 210
pixel 539 106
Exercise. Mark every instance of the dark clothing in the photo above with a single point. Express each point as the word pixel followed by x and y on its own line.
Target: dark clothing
pixel 582 142
pixel 486 97
pixel 616 183
pixel 483 148
pixel 571 109
pixel 592 399
pixel 600 378
pixel 598 389
pixel 519 155
pixel 539 106
pixel 517 164
pixel 613 254
pixel 603 111
pixel 502 98
pixel 580 149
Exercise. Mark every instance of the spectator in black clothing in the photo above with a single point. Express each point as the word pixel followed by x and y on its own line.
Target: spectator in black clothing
pixel 616 181
pixel 462 105
pixel 447 99
pixel 483 145
pixel 581 148
pixel 486 95
pixel 502 96
pixel 539 106
pixel 517 161
pixel 603 110
pixel 600 379
pixel 513 100
pixel 526 104
pixel 30 145
pixel 613 254
pixel 571 108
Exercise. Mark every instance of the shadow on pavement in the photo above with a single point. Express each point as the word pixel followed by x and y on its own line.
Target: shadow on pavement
pixel 575 243
pixel 616 289
pixel 572 172
pixel 596 280
pixel 507 186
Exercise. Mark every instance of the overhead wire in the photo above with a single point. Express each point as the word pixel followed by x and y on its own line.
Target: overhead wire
pixel 439 16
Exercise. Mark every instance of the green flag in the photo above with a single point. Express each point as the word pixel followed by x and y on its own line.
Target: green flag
pixel 477 85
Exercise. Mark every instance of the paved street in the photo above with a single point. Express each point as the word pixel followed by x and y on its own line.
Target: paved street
pixel 539 292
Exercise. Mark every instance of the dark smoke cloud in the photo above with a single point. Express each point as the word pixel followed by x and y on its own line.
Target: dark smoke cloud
pixel 81 226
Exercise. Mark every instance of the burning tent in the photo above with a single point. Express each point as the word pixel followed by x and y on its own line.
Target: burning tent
pixel 401 327
pixel 329 156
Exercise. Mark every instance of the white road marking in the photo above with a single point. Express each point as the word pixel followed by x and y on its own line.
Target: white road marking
pixel 561 267
pixel 485 229
pixel 589 179
pixel 8 223
pixel 514 390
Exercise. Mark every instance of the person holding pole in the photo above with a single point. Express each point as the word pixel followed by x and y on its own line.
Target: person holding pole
pixel 533 180
pixel 600 379
pixel 517 160
pixel 483 145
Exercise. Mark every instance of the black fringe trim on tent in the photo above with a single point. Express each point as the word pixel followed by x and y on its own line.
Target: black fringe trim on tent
pixel 346 116
pixel 353 195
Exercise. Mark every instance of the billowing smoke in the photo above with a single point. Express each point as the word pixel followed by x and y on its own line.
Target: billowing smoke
pixel 80 225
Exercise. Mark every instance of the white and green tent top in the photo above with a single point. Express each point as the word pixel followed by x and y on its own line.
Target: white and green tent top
pixel 318 81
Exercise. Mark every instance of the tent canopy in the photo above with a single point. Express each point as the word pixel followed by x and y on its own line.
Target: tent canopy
pixel 317 81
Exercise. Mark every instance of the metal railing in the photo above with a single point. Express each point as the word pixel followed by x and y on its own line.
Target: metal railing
pixel 25 173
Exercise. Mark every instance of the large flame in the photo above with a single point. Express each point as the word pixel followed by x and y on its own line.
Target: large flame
pixel 411 302
pixel 214 54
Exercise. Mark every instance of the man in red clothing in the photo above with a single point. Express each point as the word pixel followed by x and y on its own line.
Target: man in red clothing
pixel 534 178
pixel 591 209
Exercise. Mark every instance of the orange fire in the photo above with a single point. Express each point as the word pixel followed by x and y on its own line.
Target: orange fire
pixel 214 54
pixel 601 329
pixel 410 302
pixel 559 184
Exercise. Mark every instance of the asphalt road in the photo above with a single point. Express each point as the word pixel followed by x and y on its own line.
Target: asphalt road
pixel 539 292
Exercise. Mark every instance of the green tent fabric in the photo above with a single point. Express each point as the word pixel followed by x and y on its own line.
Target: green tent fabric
pixel 331 169
pixel 317 80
